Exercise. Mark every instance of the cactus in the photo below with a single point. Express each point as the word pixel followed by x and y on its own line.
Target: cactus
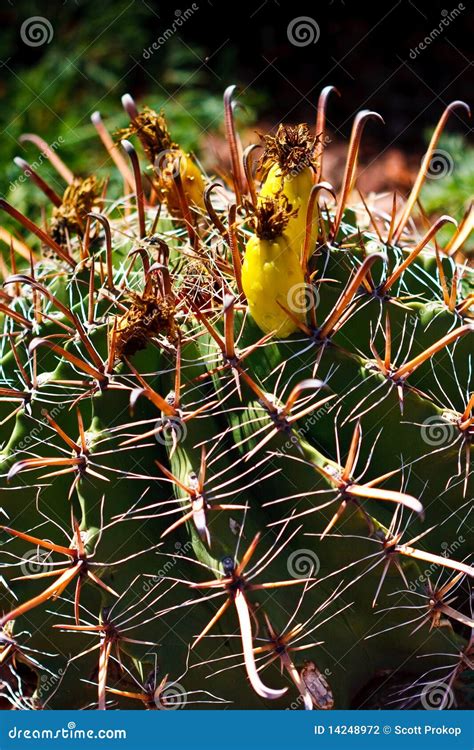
pixel 235 428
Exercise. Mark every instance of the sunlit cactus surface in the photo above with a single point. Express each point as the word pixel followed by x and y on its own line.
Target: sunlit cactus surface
pixel 236 420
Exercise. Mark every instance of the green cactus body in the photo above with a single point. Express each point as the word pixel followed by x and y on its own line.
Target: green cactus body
pixel 194 512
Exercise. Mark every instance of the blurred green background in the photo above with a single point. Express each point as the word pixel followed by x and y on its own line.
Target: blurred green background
pixel 95 51
pixel 95 55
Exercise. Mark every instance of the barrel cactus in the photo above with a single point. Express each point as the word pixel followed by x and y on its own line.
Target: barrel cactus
pixel 236 419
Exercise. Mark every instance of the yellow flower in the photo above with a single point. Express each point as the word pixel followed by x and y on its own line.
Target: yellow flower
pixel 296 190
pixel 191 180
pixel 289 158
pixel 163 153
pixel 272 276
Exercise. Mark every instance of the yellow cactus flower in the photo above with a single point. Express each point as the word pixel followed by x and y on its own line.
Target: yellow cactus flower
pixel 272 277
pixel 191 179
pixel 163 154
pixel 289 158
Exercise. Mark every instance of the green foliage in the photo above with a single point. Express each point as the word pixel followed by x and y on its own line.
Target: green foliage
pixel 55 87
pixel 453 192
